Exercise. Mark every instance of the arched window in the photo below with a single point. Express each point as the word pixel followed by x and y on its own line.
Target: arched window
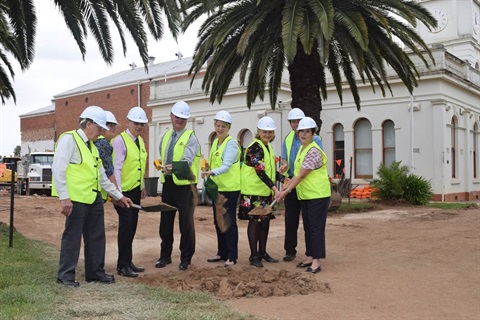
pixel 475 150
pixel 388 132
pixel 363 149
pixel 453 159
pixel 245 137
pixel 339 151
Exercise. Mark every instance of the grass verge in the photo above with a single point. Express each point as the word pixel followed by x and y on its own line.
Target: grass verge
pixel 28 291
pixel 452 205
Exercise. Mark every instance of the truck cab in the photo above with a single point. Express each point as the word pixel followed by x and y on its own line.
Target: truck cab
pixel 35 173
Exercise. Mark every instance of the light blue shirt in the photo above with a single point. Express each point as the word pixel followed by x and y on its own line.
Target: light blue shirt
pixel 294 150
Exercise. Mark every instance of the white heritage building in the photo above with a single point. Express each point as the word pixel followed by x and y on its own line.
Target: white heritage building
pixel 439 140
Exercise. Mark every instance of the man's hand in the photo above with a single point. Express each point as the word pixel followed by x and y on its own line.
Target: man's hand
pixel 143 193
pixel 124 202
pixel 67 207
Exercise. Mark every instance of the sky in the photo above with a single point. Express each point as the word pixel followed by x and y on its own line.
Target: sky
pixel 58 67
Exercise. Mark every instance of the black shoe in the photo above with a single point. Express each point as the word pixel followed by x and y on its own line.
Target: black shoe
pixel 304 265
pixel 162 262
pixel 267 258
pixel 216 259
pixel 289 257
pixel 317 269
pixel 127 272
pixel 183 265
pixel 108 275
pixel 137 269
pixel 69 283
pixel 107 279
pixel 255 261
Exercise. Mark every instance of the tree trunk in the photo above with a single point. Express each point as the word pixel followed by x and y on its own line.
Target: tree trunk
pixel 305 74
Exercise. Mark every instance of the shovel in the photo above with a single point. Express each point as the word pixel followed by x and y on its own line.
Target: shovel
pixel 262 211
pixel 155 208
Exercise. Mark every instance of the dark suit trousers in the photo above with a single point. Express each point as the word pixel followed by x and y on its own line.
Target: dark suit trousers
pixel 127 227
pixel 292 218
pixel 182 198
pixel 228 241
pixel 314 214
pixel 86 220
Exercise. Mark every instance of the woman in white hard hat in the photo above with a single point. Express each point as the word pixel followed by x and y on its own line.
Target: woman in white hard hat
pixel 105 149
pixel 225 172
pixel 258 175
pixel 313 189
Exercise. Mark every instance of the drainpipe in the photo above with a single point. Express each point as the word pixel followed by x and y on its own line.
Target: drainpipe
pixel 411 135
pixel 139 89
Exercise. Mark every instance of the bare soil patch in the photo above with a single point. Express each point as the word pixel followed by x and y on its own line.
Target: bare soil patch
pixel 400 262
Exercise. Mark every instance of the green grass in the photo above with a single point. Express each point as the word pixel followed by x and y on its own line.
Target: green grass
pixel 28 291
pixel 355 207
pixel 452 205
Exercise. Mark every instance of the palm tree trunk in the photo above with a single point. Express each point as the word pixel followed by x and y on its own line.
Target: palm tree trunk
pixel 305 78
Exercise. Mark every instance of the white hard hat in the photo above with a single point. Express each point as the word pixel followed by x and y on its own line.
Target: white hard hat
pixel 307 123
pixel 97 115
pixel 223 116
pixel 137 114
pixel 296 114
pixel 181 110
pixel 266 123
pixel 111 117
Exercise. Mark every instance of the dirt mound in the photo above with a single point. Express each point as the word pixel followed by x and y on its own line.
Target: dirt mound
pixel 227 283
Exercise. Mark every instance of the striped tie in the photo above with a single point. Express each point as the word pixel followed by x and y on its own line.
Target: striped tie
pixel 171 147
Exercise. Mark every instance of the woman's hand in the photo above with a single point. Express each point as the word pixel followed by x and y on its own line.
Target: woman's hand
pixel 206 174
pixel 281 195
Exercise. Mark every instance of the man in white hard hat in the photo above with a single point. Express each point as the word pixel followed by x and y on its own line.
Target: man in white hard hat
pixel 130 158
pixel 178 144
pixel 105 149
pixel 78 177
pixel 290 147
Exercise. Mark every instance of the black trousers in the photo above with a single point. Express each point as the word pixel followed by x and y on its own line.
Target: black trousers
pixel 127 227
pixel 314 214
pixel 87 220
pixel 181 197
pixel 228 241
pixel 292 219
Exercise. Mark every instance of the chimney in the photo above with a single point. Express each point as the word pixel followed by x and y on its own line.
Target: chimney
pixel 133 65
pixel 151 61
pixel 179 55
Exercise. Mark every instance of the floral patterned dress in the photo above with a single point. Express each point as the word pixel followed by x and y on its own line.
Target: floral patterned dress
pixel 254 157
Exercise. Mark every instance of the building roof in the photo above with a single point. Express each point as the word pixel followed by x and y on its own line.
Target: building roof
pixel 132 76
pixel 37 112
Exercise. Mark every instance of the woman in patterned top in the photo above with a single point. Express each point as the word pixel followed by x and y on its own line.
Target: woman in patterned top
pixel 313 189
pixel 258 174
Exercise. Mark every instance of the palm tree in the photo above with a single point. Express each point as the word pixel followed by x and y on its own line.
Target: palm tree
pixel 349 39
pixel 18 26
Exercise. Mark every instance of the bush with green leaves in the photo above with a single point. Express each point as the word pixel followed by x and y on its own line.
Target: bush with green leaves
pixel 394 183
pixel 416 190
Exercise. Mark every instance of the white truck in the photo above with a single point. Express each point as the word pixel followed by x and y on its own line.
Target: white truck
pixel 35 173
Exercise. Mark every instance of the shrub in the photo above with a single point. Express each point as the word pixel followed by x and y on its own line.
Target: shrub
pixel 416 190
pixel 395 184
pixel 389 185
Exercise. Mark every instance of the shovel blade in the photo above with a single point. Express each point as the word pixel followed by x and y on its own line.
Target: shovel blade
pixel 156 208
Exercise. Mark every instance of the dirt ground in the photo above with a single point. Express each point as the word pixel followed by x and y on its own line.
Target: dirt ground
pixel 400 262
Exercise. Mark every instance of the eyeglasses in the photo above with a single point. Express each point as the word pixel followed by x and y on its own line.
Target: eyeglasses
pixel 138 124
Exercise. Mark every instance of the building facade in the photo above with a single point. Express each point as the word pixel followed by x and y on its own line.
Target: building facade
pixel 435 131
